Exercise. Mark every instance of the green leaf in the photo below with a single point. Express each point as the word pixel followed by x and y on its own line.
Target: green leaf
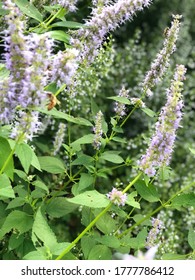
pixel 192 151
pixel 140 240
pixel 87 242
pixel 69 118
pixel 18 220
pixel 172 256
pixel 6 162
pixel 40 185
pixel 191 238
pixel 119 139
pixel 16 202
pixel 148 193
pixel 3 12
pixel 51 164
pixel 149 112
pixel 85 181
pixel 87 139
pixel 60 207
pixel 15 241
pixel 59 35
pixel 83 160
pixel 35 161
pixel 100 252
pixel 91 199
pixel 24 153
pixel 106 223
pixel 110 241
pixel 68 24
pixel 120 99
pixel 4 73
pixel 131 200
pixel 29 9
pixel 186 200
pixel 34 255
pixel 112 157
pixel 42 231
pixel 6 190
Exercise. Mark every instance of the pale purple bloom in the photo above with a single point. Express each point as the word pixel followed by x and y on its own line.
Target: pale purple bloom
pixel 69 5
pixel 152 235
pixel 161 147
pixel 162 60
pixel 59 138
pixel 117 197
pixel 120 107
pixel 102 21
pixel 97 129
pixel 64 67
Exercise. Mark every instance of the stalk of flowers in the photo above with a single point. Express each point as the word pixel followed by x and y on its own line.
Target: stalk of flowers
pixel 160 150
pixel 162 60
pixel 120 107
pixel 69 5
pixel 59 138
pixel 157 225
pixel 64 66
pixel 89 39
pixel 98 131
pixel 17 57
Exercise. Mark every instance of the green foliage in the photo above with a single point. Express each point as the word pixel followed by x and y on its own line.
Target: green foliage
pixel 50 203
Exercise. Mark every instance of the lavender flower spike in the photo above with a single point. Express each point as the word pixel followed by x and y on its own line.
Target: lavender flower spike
pixel 120 107
pixel 160 150
pixel 98 131
pixel 69 5
pixel 90 38
pixel 161 62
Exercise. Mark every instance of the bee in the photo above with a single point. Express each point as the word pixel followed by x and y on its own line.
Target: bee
pixel 53 101
pixel 166 30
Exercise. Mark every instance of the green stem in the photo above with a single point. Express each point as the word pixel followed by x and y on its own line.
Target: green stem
pixel 156 210
pixel 95 220
pixel 52 19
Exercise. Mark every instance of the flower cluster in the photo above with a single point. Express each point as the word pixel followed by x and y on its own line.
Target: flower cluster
pixel 59 138
pixel 69 5
pixel 137 102
pixel 152 235
pixel 161 146
pixel 25 58
pixel 98 131
pixel 117 197
pixel 161 62
pixel 64 67
pixel 120 107
pixel 90 38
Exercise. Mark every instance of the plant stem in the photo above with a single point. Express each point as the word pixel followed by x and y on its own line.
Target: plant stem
pixel 95 220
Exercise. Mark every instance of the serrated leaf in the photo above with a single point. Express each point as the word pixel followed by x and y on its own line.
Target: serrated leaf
pixel 85 181
pixel 59 35
pixel 131 200
pixel 120 99
pixel 24 153
pixel 18 220
pixel 16 202
pixel 34 255
pixel 29 9
pixel 140 240
pixel 15 241
pixel 185 200
pixel 119 139
pixel 5 152
pixel 6 190
pixel 40 185
pixel 92 199
pixel 149 112
pixel 87 139
pixel 149 192
pixel 110 241
pixel 100 252
pixel 60 207
pixel 83 160
pixel 51 164
pixel 106 223
pixel 42 231
pixel 191 238
pixel 68 24
pixel 112 157
pixel 87 242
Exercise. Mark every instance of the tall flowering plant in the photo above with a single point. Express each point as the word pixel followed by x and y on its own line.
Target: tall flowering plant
pixel 69 185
